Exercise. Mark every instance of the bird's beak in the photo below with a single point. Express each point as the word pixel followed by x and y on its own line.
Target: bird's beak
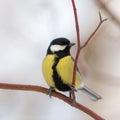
pixel 71 44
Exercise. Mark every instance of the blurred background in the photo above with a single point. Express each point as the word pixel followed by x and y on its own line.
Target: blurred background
pixel 26 29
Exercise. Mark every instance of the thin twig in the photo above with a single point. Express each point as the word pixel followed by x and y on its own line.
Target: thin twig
pixel 109 12
pixel 79 47
pixel 66 99
pixel 93 33
pixel 78 41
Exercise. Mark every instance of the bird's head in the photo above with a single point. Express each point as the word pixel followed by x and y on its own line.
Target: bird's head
pixel 60 47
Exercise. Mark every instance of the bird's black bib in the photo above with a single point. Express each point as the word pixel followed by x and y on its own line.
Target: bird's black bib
pixel 57 79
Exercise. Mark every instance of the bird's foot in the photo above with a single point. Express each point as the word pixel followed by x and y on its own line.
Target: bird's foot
pixel 72 92
pixel 72 95
pixel 49 91
pixel 73 88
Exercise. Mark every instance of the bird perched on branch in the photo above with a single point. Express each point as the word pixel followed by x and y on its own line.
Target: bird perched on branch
pixel 58 66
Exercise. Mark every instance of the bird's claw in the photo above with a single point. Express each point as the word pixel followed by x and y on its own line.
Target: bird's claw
pixel 73 88
pixel 49 91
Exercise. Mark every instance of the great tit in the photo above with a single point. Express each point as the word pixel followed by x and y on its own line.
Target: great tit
pixel 57 68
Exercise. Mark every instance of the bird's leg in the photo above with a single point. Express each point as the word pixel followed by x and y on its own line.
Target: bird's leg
pixel 72 93
pixel 73 88
pixel 49 91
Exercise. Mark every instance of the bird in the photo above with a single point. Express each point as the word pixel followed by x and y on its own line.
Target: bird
pixel 57 68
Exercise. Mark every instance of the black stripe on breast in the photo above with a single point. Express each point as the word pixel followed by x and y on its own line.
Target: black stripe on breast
pixel 57 79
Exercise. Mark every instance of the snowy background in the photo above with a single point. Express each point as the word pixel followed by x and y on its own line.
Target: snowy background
pixel 26 29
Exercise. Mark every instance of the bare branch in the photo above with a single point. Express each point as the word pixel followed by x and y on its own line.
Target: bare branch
pixel 66 99
pixel 78 42
pixel 93 33
pixel 109 12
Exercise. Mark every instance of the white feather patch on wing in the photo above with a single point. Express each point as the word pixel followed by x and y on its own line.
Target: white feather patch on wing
pixel 55 48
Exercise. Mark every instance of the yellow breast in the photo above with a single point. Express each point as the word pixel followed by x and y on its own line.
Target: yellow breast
pixel 47 69
pixel 65 70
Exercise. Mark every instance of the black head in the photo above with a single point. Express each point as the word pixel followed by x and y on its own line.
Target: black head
pixel 60 47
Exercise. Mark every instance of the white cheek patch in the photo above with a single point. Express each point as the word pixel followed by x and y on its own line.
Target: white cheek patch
pixel 55 48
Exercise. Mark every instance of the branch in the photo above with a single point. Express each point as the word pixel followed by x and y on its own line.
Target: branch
pixel 66 99
pixel 78 42
pixel 109 12
pixel 79 48
pixel 93 33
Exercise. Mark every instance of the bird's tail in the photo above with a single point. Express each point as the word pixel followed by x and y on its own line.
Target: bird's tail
pixel 91 94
